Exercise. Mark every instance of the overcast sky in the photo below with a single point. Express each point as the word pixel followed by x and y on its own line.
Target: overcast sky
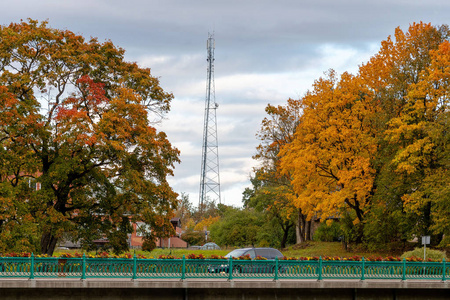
pixel 266 52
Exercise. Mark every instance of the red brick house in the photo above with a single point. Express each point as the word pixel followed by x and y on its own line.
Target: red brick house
pixel 136 238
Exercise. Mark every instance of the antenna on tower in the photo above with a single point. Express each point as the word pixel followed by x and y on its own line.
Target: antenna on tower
pixel 209 180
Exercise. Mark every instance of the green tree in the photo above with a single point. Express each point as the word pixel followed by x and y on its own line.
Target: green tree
pixel 422 129
pixel 90 143
pixel 269 185
pixel 273 201
pixel 408 76
pixel 238 227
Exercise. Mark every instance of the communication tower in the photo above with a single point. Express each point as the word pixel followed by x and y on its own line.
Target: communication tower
pixel 209 180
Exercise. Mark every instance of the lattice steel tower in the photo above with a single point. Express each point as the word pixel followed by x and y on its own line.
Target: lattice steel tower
pixel 210 181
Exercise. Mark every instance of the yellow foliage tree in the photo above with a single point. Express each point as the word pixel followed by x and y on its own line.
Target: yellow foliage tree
pixel 390 121
pixel 330 159
pixel 422 131
pixel 205 223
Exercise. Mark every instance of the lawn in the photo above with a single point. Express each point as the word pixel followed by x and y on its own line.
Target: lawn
pixel 309 249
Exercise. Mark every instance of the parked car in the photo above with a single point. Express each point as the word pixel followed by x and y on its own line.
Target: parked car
pixel 210 246
pixel 250 266
pixel 269 253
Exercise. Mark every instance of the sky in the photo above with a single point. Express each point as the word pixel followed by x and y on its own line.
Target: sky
pixel 266 51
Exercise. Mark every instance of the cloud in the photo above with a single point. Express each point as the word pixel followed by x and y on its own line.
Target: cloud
pixel 266 52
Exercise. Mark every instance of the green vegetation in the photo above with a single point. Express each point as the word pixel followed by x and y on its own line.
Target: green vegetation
pixel 430 253
pixel 328 233
pixel 370 150
pixel 310 249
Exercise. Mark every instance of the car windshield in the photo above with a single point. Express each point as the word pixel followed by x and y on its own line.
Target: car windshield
pixel 236 253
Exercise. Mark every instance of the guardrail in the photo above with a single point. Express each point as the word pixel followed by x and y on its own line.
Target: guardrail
pixel 135 268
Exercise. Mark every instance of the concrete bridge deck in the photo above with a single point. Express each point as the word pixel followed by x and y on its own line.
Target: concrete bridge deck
pixel 113 289
pixel 222 284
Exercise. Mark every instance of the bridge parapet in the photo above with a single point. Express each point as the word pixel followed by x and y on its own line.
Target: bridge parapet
pixel 229 269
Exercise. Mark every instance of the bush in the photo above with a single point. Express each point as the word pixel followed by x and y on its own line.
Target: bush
pixel 431 254
pixel 193 237
pixel 328 233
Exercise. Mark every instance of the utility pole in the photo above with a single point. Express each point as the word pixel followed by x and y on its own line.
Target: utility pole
pixel 209 180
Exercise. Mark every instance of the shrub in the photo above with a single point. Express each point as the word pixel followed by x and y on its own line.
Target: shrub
pixel 328 233
pixel 435 255
pixel 193 237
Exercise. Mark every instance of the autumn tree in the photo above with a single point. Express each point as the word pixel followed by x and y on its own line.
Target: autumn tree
pixel 185 211
pixel 330 157
pixel 271 191
pixel 422 131
pixel 77 118
pixel 407 76
pixel 372 148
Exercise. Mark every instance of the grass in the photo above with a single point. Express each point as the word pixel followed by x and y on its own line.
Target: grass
pixel 309 249
pixel 156 252
pixel 180 252
pixel 312 248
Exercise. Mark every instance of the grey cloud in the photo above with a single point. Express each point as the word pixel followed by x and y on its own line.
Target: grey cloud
pixel 266 51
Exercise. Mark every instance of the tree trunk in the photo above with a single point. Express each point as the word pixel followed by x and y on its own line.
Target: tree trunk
pixel 48 243
pixel 308 230
pixel 285 229
pixel 297 232
pixel 300 227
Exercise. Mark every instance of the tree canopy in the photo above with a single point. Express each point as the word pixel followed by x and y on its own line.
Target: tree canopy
pixel 373 148
pixel 77 120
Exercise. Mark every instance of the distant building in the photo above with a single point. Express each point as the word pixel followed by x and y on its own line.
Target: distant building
pixel 137 237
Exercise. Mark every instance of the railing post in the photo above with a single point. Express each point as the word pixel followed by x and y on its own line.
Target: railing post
pixel 134 266
pixel 363 269
pixel 230 268
pixel 183 269
pixel 32 266
pixel 404 269
pixel 276 268
pixel 320 268
pixel 83 266
pixel 444 269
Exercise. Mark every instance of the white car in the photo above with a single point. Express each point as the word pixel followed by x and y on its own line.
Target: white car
pixel 210 246
pixel 250 266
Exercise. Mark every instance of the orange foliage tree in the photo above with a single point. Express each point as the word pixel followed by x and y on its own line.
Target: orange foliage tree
pixel 329 160
pixel 422 131
pixel 271 192
pixel 376 144
pixel 76 116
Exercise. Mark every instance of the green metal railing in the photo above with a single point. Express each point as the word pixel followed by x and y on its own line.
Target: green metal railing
pixel 135 268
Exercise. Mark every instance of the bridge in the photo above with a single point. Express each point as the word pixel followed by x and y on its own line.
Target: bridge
pixel 114 278
pixel 218 289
